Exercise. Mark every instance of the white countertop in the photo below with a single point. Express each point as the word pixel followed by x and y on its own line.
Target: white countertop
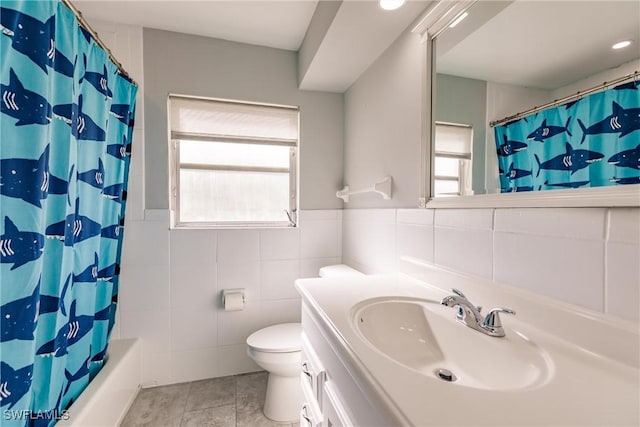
pixel 593 376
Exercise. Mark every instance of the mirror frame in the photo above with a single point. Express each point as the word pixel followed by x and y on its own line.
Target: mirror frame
pixel 433 22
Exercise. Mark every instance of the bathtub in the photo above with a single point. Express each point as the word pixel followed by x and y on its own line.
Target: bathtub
pixel 107 398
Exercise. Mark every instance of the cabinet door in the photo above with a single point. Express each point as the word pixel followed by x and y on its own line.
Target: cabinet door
pixel 333 409
pixel 310 414
pixel 312 370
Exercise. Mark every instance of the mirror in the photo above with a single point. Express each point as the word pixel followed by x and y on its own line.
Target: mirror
pixel 506 57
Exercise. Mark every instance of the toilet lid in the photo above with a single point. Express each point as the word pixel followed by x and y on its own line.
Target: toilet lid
pixel 285 337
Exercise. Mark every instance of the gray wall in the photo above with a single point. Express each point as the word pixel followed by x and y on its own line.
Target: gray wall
pixel 383 110
pixel 193 65
pixel 464 101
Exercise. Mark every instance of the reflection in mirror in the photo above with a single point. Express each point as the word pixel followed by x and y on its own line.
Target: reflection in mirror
pixel 506 57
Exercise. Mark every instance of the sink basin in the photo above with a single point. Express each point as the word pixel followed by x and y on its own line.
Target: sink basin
pixel 423 336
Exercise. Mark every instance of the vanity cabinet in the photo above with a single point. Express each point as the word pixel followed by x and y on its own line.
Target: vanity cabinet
pixel 334 395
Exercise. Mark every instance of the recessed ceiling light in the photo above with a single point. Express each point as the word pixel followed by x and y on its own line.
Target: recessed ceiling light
pixel 621 44
pixel 458 20
pixel 390 4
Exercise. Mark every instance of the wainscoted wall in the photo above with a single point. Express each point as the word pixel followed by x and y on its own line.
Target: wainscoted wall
pixel 584 256
pixel 172 279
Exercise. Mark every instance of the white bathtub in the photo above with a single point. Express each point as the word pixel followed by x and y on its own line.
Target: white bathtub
pixel 107 398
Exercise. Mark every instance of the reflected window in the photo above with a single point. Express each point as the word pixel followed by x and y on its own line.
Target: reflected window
pixel 452 159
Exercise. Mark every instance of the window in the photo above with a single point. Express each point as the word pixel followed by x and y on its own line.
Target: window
pixel 233 163
pixel 452 159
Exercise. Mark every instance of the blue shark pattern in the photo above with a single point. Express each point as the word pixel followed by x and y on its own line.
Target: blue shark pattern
pixel 571 104
pixel 606 123
pixel 74 229
pixel 14 383
pixel 507 148
pixel 100 81
pixel 632 85
pixel 22 104
pixel 89 274
pixel 34 39
pixel 37 419
pixel 122 113
pixel 114 192
pixel 107 273
pixel 627 158
pixel 119 151
pixel 111 232
pixel 19 247
pixel 576 184
pixel 69 334
pixel 80 373
pixel 19 317
pixel 66 117
pixel 545 131
pixel 514 173
pixel 82 126
pixel 30 180
pixel 100 357
pixel 521 189
pixel 93 177
pixel 625 181
pixel 572 160
pixel 621 121
pixel 53 304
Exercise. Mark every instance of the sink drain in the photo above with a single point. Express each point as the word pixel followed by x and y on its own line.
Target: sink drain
pixel 445 375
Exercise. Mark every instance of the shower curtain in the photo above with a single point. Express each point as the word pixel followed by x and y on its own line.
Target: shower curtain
pixel 65 135
pixel 590 142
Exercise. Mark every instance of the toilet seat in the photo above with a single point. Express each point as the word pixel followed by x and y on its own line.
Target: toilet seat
pixel 282 338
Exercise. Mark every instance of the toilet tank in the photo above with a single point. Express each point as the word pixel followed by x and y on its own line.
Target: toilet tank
pixel 339 270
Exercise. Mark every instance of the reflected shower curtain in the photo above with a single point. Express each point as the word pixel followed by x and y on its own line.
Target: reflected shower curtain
pixel 590 142
pixel 65 129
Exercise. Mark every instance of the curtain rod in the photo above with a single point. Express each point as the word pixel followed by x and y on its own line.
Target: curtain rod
pixel 83 23
pixel 561 101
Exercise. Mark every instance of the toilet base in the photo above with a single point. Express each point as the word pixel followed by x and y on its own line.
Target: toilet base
pixel 284 398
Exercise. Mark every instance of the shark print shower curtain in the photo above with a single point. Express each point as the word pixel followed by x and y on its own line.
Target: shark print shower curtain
pixel 589 142
pixel 66 121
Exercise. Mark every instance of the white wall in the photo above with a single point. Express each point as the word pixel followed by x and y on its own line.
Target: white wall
pixel 383 125
pixel 588 257
pixel 171 280
pixel 596 79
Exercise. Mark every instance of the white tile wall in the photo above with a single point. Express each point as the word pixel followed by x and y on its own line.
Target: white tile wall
pixel 172 280
pixel 588 257
pixel 622 296
pixel 369 237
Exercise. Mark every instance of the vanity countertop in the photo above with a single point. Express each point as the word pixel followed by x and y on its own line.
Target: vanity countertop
pixel 592 375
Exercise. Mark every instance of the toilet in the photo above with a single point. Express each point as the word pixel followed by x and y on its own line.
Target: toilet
pixel 277 350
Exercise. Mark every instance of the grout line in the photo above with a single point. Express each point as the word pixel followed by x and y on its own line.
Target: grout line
pixel 493 244
pixel 605 284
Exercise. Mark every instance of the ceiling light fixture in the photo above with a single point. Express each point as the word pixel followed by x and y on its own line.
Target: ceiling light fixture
pixel 458 20
pixel 390 4
pixel 621 44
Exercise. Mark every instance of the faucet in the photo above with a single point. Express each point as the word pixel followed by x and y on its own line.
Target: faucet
pixel 468 314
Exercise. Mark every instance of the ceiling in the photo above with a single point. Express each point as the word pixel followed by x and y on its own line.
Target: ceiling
pixel 541 44
pixel 278 24
pixel 351 34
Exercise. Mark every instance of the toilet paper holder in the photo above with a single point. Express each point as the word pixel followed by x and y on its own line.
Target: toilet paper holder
pixel 233 299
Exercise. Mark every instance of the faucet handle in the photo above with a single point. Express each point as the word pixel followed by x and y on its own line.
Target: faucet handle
pixel 493 317
pixel 461 295
pixel 458 292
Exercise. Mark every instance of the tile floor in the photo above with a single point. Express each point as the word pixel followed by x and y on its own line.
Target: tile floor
pixel 234 401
